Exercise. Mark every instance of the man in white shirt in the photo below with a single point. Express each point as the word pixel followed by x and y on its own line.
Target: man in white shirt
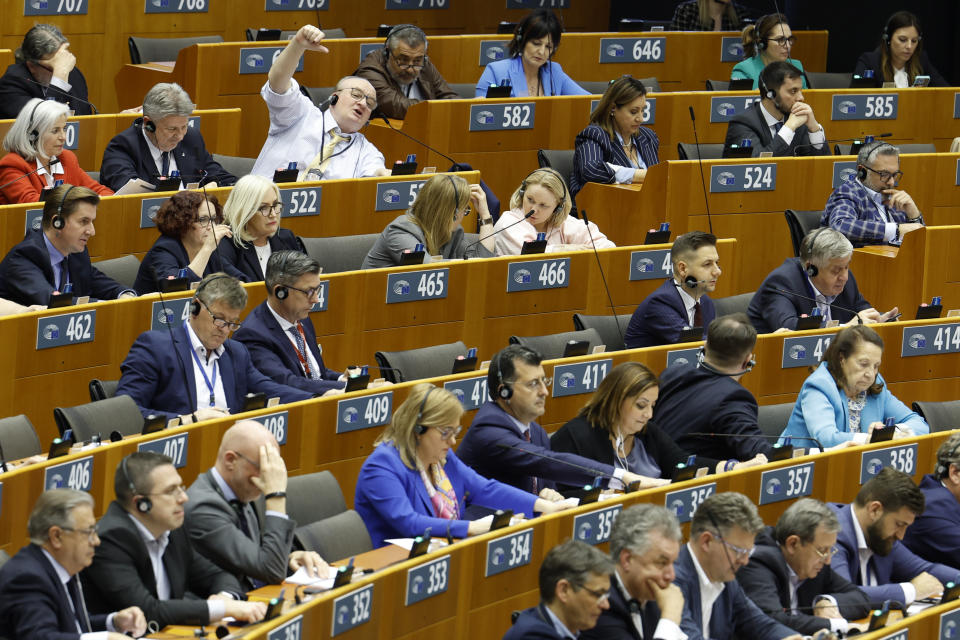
pixel 40 594
pixel 324 144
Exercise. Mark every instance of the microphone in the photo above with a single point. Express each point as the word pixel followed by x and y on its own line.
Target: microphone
pixel 762 436
pixel 786 292
pixel 65 94
pixel 691 282
pixel 54 160
pixel 455 165
pixel 331 100
pixel 173 343
pixel 830 142
pixel 603 277
pixel 593 472
pixel 525 217
pixel 703 183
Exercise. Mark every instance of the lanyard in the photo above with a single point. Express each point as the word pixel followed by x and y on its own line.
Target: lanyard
pixel 210 382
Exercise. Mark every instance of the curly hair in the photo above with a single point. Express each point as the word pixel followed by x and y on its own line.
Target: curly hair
pixel 179 212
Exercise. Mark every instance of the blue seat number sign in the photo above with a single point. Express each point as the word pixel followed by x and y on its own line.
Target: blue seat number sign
pixel 594 527
pixel 493 50
pixel 651 265
pixel 69 328
pixel 538 274
pixel 411 286
pixel 170 313
pixel 743 177
pixel 504 116
pixel 174 447
pixel 682 356
pixel 290 630
pixel 364 412
pixel 301 202
pixel 276 423
pixel 684 503
pixel 804 351
pixel 724 108
pixel 352 610
pixel 428 580
pixel 175 6
pixel 393 196
pixel 865 107
pixel 930 339
pixel 260 59
pixel 70 475
pixel 787 483
pixel 509 552
pixel 148 211
pixel 902 458
pixel 471 392
pixel 297 5
pixel 579 377
pixel 54 7
pixel 613 50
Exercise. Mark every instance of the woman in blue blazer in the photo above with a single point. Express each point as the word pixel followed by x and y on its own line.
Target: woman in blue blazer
pixel 413 480
pixel 253 211
pixel 615 148
pixel 529 68
pixel 846 397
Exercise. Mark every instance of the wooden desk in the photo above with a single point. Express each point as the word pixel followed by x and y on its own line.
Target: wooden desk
pixel 6 58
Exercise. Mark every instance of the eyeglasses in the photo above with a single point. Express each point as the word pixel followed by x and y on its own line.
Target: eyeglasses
pixel 255 465
pixel 265 210
pixel 218 322
pixel 360 96
pixel 739 551
pixel 534 384
pixel 826 555
pixel 172 492
pixel 448 432
pixel 203 221
pixel 310 293
pixel 600 595
pixel 886 175
pixel 406 63
pixel 91 533
pixel 784 42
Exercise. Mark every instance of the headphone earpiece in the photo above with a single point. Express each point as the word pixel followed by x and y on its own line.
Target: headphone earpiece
pixel 281 292
pixel 143 504
pixel 194 307
pixel 34 132
pixel 504 390
pixel 812 270
pixel 148 125
pixel 563 185
pixel 334 99
pixel 942 469
pixel 57 220
pixel 861 173
pixel 420 429
pixel 195 303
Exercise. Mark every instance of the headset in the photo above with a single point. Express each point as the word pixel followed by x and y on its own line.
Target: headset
pixel 57 220
pixel 397 29
pixel 703 364
pixel 282 291
pixel 143 503
pixel 810 268
pixel 195 303
pixel 765 91
pixel 504 389
pixel 871 153
pixel 34 132
pixel 943 462
pixel 456 195
pixel 563 183
pixel 150 126
pixel 420 429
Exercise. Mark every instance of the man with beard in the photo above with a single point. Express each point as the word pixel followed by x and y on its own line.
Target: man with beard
pixel 870 553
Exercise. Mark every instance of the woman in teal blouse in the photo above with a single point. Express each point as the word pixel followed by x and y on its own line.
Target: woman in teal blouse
pixel 769 40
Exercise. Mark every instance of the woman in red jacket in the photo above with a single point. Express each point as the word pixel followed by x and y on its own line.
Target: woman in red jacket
pixel 35 145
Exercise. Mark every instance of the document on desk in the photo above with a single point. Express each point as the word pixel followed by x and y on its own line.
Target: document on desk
pixel 135 186
pixel 301 577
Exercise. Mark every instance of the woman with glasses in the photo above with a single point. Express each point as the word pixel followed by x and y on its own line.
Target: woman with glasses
pixel 253 211
pixel 190 227
pixel 900 57
pixel 435 221
pixel 413 481
pixel 530 69
pixel 769 40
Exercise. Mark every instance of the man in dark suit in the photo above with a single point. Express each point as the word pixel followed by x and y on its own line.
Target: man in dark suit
pixel 781 122
pixel 40 594
pixel 644 603
pixel 279 333
pixel 822 272
pixel 160 143
pixel 722 534
pixel 574 591
pixel 935 534
pixel 707 398
pixel 49 259
pixel 505 443
pixel 224 521
pixel 871 554
pixel 789 575
pixel 146 559
pixel 45 68
pixel 217 372
pixel 681 301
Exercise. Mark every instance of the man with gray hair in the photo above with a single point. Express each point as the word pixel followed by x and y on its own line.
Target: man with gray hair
pixel 574 592
pixel 161 142
pixel 195 371
pixel 40 593
pixel 789 576
pixel 935 534
pixel 644 603
pixel 402 74
pixel 870 209
pixel 818 282
pixel 722 534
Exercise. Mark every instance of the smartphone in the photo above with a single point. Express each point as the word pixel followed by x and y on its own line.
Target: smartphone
pixel 921 81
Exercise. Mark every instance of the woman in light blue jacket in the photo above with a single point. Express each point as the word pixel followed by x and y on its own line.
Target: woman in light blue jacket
pixel 846 397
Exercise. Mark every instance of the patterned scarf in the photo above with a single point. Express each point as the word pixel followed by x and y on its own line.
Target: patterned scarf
pixel 441 493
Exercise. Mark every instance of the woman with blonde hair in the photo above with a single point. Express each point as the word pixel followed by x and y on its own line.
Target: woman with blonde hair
pixel 541 204
pixel 434 220
pixel 253 211
pixel 413 480
pixel 769 40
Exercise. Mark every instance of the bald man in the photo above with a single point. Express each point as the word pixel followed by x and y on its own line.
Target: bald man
pixel 227 528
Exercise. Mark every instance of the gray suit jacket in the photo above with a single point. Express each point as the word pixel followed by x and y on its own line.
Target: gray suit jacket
pixel 214 529
pixel 751 124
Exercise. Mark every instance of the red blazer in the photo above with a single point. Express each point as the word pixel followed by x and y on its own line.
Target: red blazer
pixel 12 166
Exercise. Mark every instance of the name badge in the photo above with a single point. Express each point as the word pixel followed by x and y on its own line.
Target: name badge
pixel 411 286
pixel 724 108
pixel 174 447
pixel 260 59
pixel 54 7
pixel 276 423
pixel 651 265
pixel 393 196
pixel 301 202
pixel 684 503
pixel 805 351
pixel 171 313
pixel 471 392
pixel 148 211
pixel 290 630
pixel 538 274
pixel 297 5
pixel 364 412
pixel 508 552
pixel 844 171
pixel 786 484
pixel 865 107
pixel 743 177
pixel 69 475
pixel 579 377
pixel 69 328
pixel 902 458
pixel 492 50
pixel 731 49
pixel 427 580
pixel 502 117
pixel 682 356
pixel 175 6
pixel 930 340
pixel 594 527
pixel 614 50
pixel 352 610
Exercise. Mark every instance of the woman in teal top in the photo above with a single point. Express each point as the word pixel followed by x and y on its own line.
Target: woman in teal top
pixel 770 40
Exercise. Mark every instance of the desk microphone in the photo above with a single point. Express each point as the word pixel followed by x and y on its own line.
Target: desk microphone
pixel 830 142
pixel 173 343
pixel 54 160
pixel 786 292
pixel 64 94
pixel 703 183
pixel 762 436
pixel 593 472
pixel 603 277
pixel 473 244
pixel 455 166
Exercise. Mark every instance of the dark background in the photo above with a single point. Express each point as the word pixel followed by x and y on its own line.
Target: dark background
pixel 855 26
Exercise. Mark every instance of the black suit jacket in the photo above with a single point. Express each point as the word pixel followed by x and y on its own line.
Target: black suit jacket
pixel 766 580
pixel 121 574
pixel 26 275
pixel 616 624
pixel 16 90
pixel 751 124
pixel 245 260
pixel 871 60
pixel 33 601
pixel 128 156
pixel 167 256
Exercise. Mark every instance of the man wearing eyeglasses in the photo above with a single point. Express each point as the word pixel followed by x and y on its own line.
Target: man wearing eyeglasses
pixel 40 594
pixel 870 209
pixel 722 534
pixel 194 370
pixel 324 144
pixel 279 333
pixel 146 559
pixel 402 74
pixel 790 578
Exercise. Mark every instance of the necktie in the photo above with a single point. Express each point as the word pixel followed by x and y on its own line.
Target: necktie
pixel 165 163
pixel 301 339
pixel 776 127
pixel 64 275
pixel 79 606
pixel 697 316
pixel 533 479
pixel 241 509
pixel 320 163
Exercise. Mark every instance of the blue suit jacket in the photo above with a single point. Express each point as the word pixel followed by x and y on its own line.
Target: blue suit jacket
pixel 275 357
pixel 901 565
pixel 26 275
pixel 167 256
pixel 771 309
pixel 153 375
pixel 734 614
pixel 553 80
pixel 492 426
pixel 752 125
pixel 594 148
pixel 936 533
pixel 393 503
pixel 245 260
pixel 533 624
pixel 128 156
pixel 33 601
pixel 661 316
pixel 850 211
